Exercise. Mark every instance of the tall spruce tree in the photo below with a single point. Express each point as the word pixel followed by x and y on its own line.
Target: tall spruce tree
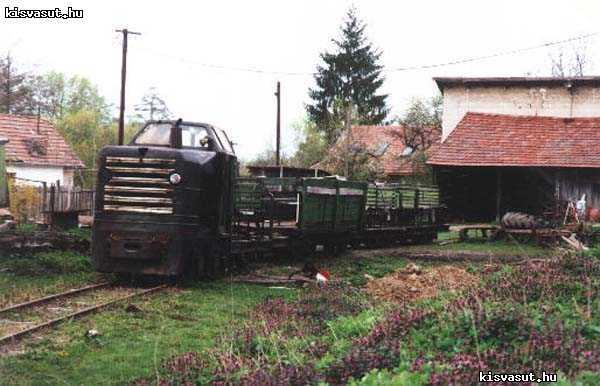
pixel 349 78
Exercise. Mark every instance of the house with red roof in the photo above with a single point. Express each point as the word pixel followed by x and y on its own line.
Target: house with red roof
pixel 36 151
pixel 380 148
pixel 518 144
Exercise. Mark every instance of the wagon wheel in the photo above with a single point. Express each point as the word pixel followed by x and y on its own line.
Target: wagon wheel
pixel 301 249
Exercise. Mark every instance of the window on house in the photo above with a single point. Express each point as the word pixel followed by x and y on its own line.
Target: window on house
pixel 381 149
pixel 407 151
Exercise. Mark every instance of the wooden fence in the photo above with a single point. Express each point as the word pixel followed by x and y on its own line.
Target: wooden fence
pixel 30 203
pixel 59 199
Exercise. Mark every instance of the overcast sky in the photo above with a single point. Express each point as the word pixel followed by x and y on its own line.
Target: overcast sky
pixel 180 37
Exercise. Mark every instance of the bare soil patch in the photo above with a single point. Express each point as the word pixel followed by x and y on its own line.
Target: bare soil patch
pixel 414 283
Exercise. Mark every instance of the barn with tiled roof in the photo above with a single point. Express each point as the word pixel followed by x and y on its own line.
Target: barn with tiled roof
pixel 491 163
pixel 526 144
pixel 36 151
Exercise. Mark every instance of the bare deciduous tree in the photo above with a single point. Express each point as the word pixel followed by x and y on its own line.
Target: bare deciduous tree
pixel 574 62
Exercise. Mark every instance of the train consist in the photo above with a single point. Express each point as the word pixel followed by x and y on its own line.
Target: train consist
pixel 171 203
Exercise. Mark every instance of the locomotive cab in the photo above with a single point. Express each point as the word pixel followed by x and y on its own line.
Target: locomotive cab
pixel 163 202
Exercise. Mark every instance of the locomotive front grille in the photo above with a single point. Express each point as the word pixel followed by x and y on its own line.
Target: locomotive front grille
pixel 138 185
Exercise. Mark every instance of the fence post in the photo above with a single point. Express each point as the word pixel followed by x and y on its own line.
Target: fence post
pixel 52 197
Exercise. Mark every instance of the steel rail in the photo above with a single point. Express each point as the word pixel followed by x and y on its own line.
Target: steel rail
pixel 88 310
pixel 48 298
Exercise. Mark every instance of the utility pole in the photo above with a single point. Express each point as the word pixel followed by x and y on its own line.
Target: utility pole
pixel 278 147
pixel 348 128
pixel 125 32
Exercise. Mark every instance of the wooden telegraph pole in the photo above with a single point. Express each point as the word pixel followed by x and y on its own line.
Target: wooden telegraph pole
pixel 278 146
pixel 348 129
pixel 125 33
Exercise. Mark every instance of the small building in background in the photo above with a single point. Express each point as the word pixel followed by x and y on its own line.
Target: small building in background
pixel 3 176
pixel 380 149
pixel 518 144
pixel 36 151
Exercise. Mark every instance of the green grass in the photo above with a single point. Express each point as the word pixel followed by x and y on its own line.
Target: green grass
pixel 132 345
pixel 23 277
pixel 499 248
pixel 199 317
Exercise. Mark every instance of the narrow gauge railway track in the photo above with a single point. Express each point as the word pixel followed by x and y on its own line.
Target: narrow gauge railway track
pixel 75 303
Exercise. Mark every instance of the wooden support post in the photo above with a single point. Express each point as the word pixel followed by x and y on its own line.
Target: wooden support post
pixel 417 212
pixel 498 193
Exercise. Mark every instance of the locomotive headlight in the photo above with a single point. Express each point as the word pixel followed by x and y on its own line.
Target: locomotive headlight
pixel 175 178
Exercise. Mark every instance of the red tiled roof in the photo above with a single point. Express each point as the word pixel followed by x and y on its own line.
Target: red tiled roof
pixel 20 130
pixel 507 140
pixel 384 143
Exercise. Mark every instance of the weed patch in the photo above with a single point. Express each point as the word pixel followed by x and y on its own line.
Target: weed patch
pixel 515 320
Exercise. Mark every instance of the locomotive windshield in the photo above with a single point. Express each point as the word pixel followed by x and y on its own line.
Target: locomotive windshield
pixel 188 136
pixel 158 134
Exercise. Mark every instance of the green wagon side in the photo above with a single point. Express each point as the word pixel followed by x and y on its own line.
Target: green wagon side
pixel 331 205
pixel 395 196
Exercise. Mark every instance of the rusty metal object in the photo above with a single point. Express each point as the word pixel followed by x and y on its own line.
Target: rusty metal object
pixel 137 209
pixel 149 200
pixel 135 160
pixel 135 189
pixel 121 169
pixel 593 215
pixel 20 334
pixel 139 180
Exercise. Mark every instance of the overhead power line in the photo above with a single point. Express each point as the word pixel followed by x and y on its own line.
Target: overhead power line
pixel 389 70
pixel 484 57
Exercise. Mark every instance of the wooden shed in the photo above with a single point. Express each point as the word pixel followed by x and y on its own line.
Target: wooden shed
pixel 491 164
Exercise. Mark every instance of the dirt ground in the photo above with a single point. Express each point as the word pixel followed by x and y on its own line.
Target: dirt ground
pixel 414 283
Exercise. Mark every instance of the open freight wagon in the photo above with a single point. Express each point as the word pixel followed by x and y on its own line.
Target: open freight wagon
pixel 305 212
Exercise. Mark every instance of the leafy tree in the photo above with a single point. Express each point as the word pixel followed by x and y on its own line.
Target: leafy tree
pixel 421 128
pixel 15 90
pixel 58 96
pixel 422 123
pixel 78 111
pixel 349 78
pixel 152 106
pixel 312 146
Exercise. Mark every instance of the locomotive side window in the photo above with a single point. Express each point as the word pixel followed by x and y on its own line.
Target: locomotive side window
pixel 195 136
pixel 155 134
